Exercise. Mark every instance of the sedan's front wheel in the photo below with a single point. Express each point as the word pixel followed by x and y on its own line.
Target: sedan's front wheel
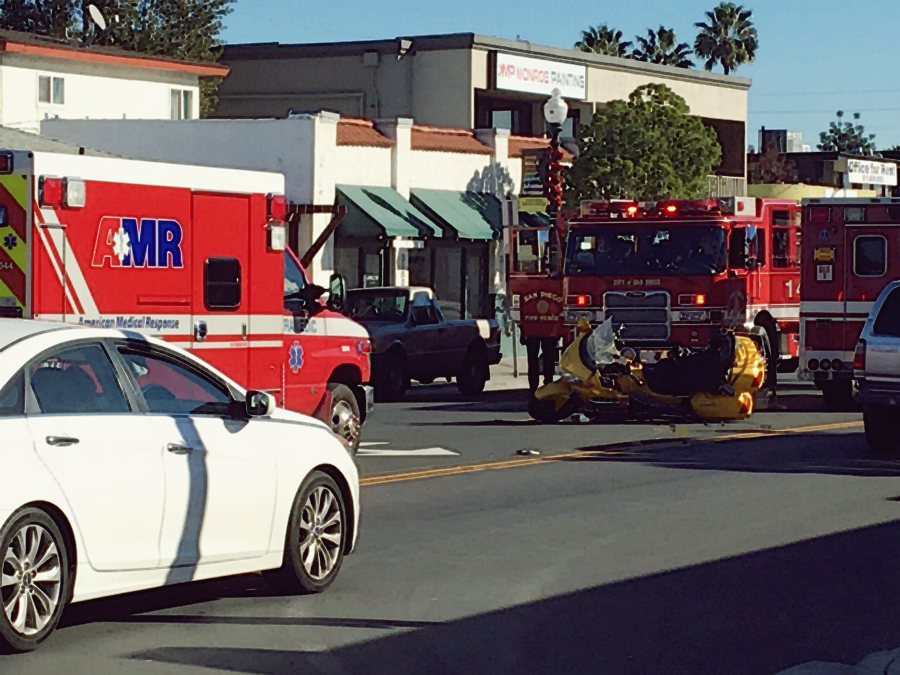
pixel 34 580
pixel 316 538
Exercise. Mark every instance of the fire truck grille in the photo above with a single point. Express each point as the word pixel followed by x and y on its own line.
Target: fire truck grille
pixel 643 317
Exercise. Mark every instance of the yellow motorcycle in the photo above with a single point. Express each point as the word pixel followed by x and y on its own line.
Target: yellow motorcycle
pixel 599 381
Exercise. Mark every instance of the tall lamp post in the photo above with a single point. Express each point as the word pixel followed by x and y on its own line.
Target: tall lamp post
pixel 556 110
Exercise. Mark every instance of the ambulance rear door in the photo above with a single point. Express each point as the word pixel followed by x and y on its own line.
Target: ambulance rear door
pixel 221 281
pixel 15 220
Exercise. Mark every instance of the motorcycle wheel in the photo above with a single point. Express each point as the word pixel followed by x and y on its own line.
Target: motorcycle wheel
pixel 545 412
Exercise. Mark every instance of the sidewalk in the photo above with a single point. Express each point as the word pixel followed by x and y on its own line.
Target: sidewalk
pixel 502 378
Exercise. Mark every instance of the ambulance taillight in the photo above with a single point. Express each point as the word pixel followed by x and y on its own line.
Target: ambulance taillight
pixel 62 192
pixel 6 163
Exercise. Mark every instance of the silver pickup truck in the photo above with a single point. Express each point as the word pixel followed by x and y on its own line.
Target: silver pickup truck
pixel 876 370
pixel 413 341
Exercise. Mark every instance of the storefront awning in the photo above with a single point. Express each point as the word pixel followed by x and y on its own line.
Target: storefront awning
pixel 471 215
pixel 372 211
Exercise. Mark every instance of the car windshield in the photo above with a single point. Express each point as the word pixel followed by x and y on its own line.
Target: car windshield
pixel 377 305
pixel 647 250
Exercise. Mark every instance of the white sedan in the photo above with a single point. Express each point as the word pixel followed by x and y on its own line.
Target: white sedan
pixel 137 465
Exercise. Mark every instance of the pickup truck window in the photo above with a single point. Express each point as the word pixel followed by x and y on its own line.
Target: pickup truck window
pixel 423 309
pixel 888 321
pixel 377 305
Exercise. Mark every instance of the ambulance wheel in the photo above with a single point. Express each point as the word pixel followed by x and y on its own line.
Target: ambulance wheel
pixel 474 373
pixel 394 379
pixel 345 417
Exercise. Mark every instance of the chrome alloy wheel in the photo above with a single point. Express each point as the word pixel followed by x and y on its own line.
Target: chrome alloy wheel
pixel 321 533
pixel 345 423
pixel 31 580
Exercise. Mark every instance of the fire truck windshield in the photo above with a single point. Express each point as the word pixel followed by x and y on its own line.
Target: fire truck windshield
pixel 646 249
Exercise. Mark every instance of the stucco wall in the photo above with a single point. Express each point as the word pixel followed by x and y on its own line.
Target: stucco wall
pixel 446 171
pixel 355 165
pixel 91 91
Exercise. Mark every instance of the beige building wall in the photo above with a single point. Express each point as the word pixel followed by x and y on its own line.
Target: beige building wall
pixel 443 88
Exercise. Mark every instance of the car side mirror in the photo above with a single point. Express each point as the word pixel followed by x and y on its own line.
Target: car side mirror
pixel 337 292
pixel 259 404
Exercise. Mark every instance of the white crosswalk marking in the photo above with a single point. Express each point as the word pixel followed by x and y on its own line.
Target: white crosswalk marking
pixel 420 452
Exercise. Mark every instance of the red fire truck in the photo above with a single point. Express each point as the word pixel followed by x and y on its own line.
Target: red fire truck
pixel 666 272
pixel 848 260
pixel 193 255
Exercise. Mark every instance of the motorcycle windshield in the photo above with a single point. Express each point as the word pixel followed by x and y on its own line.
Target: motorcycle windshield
pixel 600 346
pixel 658 250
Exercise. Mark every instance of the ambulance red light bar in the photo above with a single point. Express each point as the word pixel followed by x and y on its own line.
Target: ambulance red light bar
pixel 6 163
pixel 276 206
pixel 62 192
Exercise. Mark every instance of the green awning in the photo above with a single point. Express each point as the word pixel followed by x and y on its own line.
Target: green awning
pixel 372 211
pixel 534 219
pixel 471 215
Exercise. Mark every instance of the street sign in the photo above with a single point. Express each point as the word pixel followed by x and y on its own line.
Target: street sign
pixel 534 161
pixel 533 204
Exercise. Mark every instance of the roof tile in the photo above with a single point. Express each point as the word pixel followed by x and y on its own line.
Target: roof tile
pixel 354 131
pixel 447 139
pixel 519 143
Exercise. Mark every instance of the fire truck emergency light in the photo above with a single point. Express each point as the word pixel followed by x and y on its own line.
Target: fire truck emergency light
pixel 698 299
pixel 6 163
pixel 582 300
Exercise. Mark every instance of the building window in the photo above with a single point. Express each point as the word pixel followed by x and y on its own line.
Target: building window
pixel 51 90
pixel 182 104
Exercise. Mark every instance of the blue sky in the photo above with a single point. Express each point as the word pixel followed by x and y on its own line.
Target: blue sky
pixel 816 56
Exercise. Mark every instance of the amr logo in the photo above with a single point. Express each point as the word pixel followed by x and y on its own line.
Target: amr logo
pixel 129 242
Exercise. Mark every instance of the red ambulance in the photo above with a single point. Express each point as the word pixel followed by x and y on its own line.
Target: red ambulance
pixel 851 252
pixel 193 255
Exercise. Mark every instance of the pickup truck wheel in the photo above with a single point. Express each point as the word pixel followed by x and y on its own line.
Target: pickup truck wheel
pixel 880 429
pixel 345 417
pixel 474 373
pixel 394 380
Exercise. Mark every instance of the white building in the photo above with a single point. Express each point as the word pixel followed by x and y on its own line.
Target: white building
pixel 424 202
pixel 43 78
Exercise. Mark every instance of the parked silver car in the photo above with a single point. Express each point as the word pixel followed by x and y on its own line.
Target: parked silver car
pixel 876 370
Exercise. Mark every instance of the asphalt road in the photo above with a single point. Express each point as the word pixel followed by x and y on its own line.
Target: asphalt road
pixel 750 554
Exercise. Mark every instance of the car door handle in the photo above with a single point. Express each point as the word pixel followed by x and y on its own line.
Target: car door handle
pixel 177 449
pixel 62 441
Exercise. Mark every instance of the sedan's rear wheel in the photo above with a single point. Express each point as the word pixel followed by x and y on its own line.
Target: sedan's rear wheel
pixel 316 538
pixel 34 580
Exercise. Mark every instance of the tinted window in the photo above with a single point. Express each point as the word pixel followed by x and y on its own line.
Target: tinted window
pixel 79 380
pixel 529 248
pixel 870 255
pixel 171 387
pixel 222 281
pixel 888 321
pixel 737 248
pixel 12 397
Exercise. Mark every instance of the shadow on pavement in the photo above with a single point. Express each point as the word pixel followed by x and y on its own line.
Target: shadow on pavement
pixel 845 454
pixel 826 599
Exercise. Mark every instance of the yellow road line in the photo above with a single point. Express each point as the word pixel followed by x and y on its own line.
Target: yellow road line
pixel 612 450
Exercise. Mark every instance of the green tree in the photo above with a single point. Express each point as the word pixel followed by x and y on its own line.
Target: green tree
pixel 772 167
pixel 727 38
pixel 662 46
pixel 603 40
pixel 847 137
pixel 187 30
pixel 648 147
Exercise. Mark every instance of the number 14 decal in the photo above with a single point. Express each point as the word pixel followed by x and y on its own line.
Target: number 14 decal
pixel 793 287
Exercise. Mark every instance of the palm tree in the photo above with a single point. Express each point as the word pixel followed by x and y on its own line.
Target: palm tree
pixel 661 46
pixel 603 40
pixel 727 38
